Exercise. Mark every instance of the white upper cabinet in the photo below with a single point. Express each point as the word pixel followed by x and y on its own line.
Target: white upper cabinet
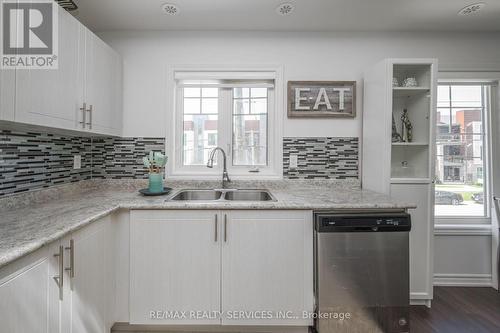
pixel 388 160
pixel 7 94
pixel 102 77
pixel 7 90
pixel 51 97
pixel 267 265
pixel 174 265
pixel 83 94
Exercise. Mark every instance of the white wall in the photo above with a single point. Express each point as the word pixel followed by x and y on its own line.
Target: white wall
pixel 304 56
pixel 462 260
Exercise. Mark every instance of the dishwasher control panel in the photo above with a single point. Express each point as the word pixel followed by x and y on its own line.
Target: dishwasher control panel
pixel 362 222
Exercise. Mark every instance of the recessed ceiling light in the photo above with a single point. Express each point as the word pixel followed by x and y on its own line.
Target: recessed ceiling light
pixel 170 9
pixel 285 9
pixel 471 9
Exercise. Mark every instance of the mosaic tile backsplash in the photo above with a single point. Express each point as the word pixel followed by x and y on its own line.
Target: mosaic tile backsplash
pixel 121 158
pixel 30 160
pixel 328 158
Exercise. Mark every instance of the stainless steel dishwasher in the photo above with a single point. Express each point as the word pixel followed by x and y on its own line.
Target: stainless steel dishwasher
pixel 362 272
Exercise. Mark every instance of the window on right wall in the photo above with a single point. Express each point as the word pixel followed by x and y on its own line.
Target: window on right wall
pixel 462 152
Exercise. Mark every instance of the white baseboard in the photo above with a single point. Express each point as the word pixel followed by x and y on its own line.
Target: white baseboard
pixel 463 280
pixel 128 328
pixel 424 302
pixel 421 298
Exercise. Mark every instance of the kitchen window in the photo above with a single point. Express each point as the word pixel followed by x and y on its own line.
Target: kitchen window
pixel 236 114
pixel 462 157
pixel 249 133
pixel 200 123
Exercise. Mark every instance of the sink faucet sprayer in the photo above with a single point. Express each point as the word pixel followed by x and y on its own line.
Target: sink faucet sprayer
pixel 210 164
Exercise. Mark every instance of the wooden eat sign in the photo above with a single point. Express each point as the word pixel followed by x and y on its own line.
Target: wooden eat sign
pixel 322 99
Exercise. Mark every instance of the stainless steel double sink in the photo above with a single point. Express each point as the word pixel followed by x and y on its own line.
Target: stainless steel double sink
pixel 224 195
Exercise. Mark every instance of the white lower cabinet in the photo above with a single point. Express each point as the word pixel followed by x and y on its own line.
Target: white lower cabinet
pixel 421 235
pixel 89 290
pixel 31 300
pixel 187 267
pixel 267 267
pixel 242 267
pixel 174 266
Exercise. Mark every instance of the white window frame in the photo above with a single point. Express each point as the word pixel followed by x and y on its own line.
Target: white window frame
pixel 175 167
pixel 472 77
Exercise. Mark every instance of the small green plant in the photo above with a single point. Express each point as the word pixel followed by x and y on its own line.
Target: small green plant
pixel 155 161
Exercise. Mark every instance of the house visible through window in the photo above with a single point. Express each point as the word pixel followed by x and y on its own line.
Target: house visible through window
pixel 231 114
pixel 250 126
pixel 200 109
pixel 460 166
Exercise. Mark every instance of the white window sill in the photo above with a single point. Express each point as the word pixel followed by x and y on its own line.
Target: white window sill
pixel 463 229
pixel 461 220
pixel 198 176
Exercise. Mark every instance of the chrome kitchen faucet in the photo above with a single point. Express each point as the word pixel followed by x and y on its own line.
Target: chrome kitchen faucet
pixel 210 164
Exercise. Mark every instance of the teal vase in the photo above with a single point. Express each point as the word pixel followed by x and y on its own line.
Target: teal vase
pixel 155 182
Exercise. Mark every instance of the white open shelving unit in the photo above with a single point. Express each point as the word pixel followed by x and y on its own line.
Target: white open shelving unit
pixel 411 159
pixel 404 170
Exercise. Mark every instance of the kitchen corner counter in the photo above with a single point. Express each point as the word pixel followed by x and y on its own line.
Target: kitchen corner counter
pixel 32 220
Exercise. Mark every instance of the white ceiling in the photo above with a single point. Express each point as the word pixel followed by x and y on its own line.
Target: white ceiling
pixel 309 15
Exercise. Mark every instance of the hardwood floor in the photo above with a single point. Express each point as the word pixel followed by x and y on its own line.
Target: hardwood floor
pixel 458 310
pixel 454 310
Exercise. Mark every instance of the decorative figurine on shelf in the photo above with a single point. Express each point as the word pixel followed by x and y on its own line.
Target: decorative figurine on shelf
pixel 155 163
pixel 406 127
pixel 396 137
pixel 410 82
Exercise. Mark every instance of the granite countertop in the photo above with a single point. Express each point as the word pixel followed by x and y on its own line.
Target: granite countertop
pixel 32 220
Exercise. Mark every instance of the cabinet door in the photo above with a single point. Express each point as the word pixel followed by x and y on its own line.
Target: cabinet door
pixel 29 297
pixel 7 94
pixel 421 237
pixel 7 89
pixel 52 97
pixel 117 111
pixel 89 288
pixel 267 265
pixel 174 266
pixel 57 294
pixel 102 77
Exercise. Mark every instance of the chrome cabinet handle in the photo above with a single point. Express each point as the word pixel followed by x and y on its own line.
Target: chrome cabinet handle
pixel 84 115
pixel 225 227
pixel 216 227
pixel 60 278
pixel 90 111
pixel 71 268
